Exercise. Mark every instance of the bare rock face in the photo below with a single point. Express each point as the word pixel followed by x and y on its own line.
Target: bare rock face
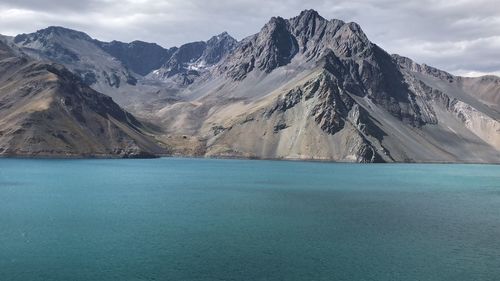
pixel 273 47
pixel 302 123
pixel 45 110
pixel 217 48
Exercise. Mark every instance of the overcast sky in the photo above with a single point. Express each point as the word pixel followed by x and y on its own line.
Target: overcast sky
pixel 460 36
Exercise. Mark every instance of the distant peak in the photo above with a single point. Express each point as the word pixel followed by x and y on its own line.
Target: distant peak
pixel 56 28
pixel 142 43
pixel 306 19
pixel 222 39
pixel 275 20
pixel 276 23
pixel 221 36
pixel 63 31
pixel 309 13
pixel 224 34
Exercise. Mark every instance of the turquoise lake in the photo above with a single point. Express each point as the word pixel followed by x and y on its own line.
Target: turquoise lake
pixel 203 219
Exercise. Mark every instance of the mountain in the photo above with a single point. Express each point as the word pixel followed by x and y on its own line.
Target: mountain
pixel 189 60
pixel 79 53
pixel 138 56
pixel 45 110
pixel 300 88
pixel 138 75
pixel 311 88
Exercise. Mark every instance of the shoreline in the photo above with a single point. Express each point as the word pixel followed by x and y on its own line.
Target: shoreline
pixel 159 156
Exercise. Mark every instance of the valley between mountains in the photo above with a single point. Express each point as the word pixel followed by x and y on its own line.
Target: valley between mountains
pixel 301 88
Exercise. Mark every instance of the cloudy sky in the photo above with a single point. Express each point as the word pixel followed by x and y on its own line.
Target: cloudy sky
pixel 460 36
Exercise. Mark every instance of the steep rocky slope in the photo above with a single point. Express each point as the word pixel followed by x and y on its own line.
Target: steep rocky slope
pixel 45 110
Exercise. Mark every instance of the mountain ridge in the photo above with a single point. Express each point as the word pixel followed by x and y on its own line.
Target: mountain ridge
pixel 301 88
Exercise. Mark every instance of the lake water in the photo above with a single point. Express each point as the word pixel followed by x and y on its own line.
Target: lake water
pixel 200 219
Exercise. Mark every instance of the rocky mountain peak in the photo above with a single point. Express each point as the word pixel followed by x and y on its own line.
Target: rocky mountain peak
pixel 272 47
pixel 51 43
pixel 307 19
pixel 276 45
pixel 224 36
pixel 275 23
pixel 51 31
pixel 217 47
pixel 354 29
pixel 350 40
pixel 188 61
pixel 308 35
pixel 308 15
pixel 182 57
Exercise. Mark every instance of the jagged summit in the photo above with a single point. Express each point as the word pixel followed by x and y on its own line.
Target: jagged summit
pixel 304 38
pixel 309 14
pixel 221 36
pixel 189 60
pixel 217 47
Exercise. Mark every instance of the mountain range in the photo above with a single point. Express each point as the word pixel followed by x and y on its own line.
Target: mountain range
pixel 300 88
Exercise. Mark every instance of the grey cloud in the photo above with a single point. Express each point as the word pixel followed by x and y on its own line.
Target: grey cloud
pixel 52 5
pixel 459 36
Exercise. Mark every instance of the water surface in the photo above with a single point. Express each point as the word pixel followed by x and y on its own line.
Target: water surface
pixel 200 219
